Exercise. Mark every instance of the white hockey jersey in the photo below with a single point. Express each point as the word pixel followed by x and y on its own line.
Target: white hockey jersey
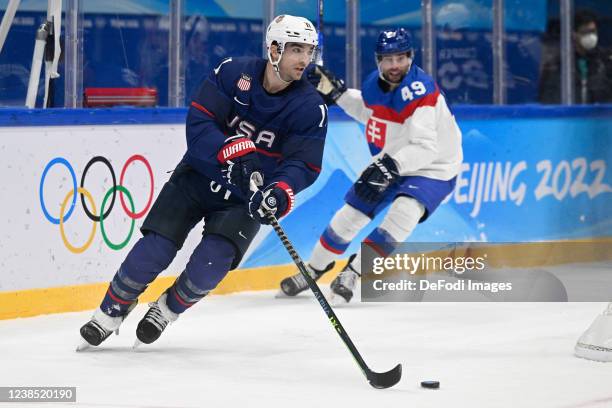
pixel 412 124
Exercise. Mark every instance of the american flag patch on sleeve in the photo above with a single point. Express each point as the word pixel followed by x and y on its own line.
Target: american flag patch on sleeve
pixel 244 83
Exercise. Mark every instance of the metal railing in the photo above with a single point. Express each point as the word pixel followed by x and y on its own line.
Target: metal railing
pixel 73 66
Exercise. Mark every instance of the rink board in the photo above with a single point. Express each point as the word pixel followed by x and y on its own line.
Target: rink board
pixel 529 174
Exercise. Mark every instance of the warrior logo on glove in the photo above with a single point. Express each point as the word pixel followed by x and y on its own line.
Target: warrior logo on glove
pixel 239 160
pixel 271 201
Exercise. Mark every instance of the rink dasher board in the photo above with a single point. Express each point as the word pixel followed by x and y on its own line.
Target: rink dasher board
pixel 540 176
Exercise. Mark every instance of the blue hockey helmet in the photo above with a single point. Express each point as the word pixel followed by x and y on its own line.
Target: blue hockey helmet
pixel 393 42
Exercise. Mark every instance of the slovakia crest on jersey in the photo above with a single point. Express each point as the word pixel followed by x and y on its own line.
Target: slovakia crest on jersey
pixel 376 133
pixel 244 83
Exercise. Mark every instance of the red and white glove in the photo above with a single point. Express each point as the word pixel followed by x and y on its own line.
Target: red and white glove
pixel 239 160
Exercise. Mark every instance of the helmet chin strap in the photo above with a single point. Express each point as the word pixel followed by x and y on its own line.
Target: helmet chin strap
pixel 275 66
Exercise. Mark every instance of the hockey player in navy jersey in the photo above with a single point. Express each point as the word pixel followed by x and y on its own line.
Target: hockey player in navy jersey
pixel 251 118
pixel 416 148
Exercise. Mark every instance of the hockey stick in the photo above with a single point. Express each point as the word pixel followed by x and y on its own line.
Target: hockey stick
pixel 376 380
pixel 319 59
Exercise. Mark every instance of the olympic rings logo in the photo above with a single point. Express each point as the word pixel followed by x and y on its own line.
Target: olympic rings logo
pixel 91 210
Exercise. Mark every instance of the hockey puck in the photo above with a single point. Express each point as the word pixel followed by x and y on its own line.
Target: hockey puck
pixel 434 385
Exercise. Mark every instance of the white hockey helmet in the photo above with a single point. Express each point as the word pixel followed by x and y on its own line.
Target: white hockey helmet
pixel 286 29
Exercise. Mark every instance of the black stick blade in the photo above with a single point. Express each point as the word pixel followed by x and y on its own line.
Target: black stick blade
pixel 385 380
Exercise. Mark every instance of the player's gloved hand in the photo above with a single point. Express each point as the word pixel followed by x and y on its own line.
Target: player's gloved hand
pixel 328 86
pixel 239 161
pixel 276 199
pixel 376 179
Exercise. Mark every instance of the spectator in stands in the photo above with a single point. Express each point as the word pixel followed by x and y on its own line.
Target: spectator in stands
pixel 592 64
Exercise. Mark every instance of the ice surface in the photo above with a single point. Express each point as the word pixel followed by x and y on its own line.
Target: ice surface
pixel 252 350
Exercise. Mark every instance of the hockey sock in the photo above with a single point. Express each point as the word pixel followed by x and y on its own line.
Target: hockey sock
pixel 345 225
pixel 403 216
pixel 380 241
pixel 208 265
pixel 150 256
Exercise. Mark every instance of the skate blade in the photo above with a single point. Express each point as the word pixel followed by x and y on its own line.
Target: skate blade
pixel 282 295
pixel 137 344
pixel 590 353
pixel 83 346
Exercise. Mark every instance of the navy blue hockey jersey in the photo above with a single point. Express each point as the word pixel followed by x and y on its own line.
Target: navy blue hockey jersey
pixel 288 127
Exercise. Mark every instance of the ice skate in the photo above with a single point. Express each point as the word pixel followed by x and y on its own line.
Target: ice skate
pixel 596 342
pixel 293 285
pixel 100 327
pixel 155 321
pixel 342 287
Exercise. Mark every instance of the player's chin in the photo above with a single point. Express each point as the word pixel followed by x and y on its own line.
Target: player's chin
pixel 395 77
pixel 297 74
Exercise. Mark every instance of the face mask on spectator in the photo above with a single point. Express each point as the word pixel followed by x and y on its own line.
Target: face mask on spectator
pixel 588 41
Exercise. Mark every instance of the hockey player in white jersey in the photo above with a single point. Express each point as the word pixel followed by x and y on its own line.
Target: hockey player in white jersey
pixel 596 342
pixel 416 148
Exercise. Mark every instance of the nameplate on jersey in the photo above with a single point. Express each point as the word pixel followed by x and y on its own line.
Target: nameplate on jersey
pixel 244 83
